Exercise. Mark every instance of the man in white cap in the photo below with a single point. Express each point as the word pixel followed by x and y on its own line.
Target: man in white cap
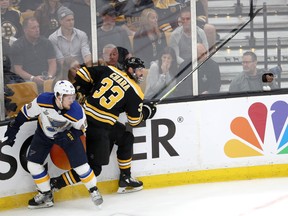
pixel 68 41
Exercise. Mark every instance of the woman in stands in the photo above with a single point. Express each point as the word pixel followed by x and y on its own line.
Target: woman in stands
pixel 149 40
pixel 161 73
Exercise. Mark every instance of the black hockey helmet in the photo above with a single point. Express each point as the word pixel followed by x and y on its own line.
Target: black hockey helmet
pixel 134 63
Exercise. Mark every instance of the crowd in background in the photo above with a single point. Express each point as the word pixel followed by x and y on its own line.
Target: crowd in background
pixel 48 40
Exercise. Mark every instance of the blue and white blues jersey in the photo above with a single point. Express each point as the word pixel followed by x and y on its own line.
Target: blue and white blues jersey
pixel 53 120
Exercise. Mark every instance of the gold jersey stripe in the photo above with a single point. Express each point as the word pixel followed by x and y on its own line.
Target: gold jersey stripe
pixel 101 112
pixel 45 105
pixel 84 74
pixel 99 119
pixel 70 117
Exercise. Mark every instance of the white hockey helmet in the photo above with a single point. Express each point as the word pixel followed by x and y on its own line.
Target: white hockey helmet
pixel 63 87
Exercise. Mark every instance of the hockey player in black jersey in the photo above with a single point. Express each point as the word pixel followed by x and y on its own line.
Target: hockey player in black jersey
pixel 61 120
pixel 110 92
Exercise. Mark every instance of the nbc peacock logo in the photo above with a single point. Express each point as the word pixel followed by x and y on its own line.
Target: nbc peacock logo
pixel 251 140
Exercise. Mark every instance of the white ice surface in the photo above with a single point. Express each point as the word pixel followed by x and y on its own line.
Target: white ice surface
pixel 261 197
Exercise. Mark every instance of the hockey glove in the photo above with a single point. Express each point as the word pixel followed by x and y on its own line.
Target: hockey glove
pixel 67 137
pixel 64 138
pixel 148 110
pixel 10 133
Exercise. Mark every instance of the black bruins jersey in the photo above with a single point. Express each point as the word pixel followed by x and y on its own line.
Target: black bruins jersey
pixel 10 23
pixel 109 92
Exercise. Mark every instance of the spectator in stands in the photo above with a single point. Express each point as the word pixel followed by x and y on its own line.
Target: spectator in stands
pixel 110 33
pixel 251 79
pixel 111 55
pixel 180 39
pixel 202 22
pixel 100 5
pixel 33 55
pixel 149 41
pixel 168 11
pixel 161 73
pixel 69 41
pixel 132 12
pixel 10 22
pixel 120 7
pixel 209 78
pixel 26 6
pixel 82 16
pixel 46 14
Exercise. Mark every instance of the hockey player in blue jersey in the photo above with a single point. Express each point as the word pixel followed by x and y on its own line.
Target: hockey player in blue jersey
pixel 61 120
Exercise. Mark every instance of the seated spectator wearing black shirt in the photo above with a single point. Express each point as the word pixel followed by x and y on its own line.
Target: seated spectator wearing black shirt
pixel 33 55
pixel 209 78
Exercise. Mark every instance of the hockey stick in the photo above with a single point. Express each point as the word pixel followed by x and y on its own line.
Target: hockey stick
pixel 235 31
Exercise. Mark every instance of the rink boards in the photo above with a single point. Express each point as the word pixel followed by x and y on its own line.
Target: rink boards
pixel 186 142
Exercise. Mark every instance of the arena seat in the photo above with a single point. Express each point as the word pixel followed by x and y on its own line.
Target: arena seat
pixel 48 85
pixel 23 93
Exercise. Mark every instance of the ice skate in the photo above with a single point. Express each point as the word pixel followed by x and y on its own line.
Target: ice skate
pixel 53 185
pixel 41 200
pixel 96 196
pixel 127 184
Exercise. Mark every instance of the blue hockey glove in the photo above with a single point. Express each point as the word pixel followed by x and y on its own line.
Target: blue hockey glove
pixel 64 138
pixel 10 133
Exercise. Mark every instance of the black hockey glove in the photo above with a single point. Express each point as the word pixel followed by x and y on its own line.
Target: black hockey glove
pixel 10 133
pixel 148 110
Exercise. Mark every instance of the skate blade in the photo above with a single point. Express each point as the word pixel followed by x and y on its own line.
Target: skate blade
pixel 123 190
pixel 44 205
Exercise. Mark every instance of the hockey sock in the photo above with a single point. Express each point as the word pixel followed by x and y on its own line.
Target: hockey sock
pixel 125 166
pixel 68 178
pixel 86 175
